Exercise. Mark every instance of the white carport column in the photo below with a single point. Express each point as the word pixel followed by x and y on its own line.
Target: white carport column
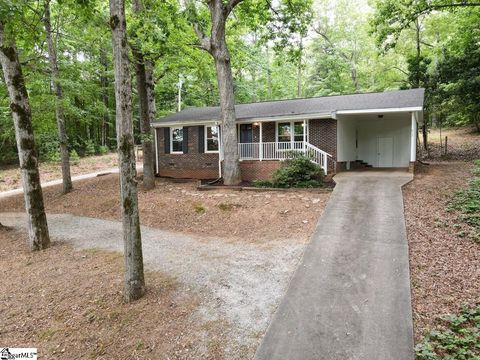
pixel 413 138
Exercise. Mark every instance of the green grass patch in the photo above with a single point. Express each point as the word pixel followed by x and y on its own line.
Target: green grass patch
pixel 457 337
pixel 467 202
pixel 199 208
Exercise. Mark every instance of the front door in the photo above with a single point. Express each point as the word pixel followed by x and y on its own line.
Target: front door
pixel 246 133
pixel 385 152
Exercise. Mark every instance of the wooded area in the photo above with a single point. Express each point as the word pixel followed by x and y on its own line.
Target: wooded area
pixel 274 53
pixel 68 68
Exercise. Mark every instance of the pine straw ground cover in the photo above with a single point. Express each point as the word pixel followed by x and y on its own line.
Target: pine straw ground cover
pixel 10 176
pixel 68 304
pixel 257 216
pixel 444 264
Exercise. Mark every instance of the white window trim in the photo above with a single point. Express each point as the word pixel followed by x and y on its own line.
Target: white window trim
pixel 171 140
pixel 206 140
pixel 292 127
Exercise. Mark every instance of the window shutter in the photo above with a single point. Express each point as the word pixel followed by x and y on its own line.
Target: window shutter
pixel 185 140
pixel 166 132
pixel 201 139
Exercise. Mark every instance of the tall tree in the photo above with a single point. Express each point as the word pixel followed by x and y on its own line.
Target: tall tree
pixel 22 117
pixel 59 109
pixel 146 99
pixel 134 275
pixel 216 46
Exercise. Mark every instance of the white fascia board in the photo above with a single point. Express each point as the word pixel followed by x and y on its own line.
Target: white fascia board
pixel 186 123
pixel 250 120
pixel 323 115
pixel 376 111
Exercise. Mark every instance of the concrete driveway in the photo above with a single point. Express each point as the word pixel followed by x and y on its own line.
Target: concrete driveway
pixel 350 296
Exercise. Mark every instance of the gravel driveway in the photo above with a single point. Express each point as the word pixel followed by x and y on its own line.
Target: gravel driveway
pixel 238 283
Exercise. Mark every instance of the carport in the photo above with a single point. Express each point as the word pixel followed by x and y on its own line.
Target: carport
pixel 380 138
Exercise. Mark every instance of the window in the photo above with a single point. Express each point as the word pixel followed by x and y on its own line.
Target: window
pixel 212 138
pixel 284 131
pixel 176 140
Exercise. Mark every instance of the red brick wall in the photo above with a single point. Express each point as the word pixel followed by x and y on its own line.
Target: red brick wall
pixel 323 134
pixel 192 165
pixel 196 165
pixel 258 170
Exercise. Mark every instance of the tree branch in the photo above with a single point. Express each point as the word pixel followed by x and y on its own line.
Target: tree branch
pixel 204 39
pixel 230 5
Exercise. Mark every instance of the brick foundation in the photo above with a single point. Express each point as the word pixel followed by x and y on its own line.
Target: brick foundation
pixel 192 165
pixel 258 170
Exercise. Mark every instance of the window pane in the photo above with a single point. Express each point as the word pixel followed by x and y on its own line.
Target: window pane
pixel 299 130
pixel 212 138
pixel 212 145
pixel 212 132
pixel 177 145
pixel 177 139
pixel 284 132
pixel 177 134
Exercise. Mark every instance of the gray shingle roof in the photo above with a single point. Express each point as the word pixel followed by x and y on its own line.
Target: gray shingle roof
pixel 325 104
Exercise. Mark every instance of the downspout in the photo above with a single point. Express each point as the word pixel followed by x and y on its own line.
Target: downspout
pixel 220 151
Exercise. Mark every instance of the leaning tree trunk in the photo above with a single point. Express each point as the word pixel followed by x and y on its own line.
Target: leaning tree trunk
pixel 134 276
pixel 22 119
pixel 144 81
pixel 59 110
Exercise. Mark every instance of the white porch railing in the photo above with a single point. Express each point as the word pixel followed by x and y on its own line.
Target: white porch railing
pixel 282 151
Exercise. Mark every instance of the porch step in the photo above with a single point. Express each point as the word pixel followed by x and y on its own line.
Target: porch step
pixel 360 164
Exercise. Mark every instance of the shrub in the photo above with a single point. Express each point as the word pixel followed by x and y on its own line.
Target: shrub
pixel 262 183
pixel 299 171
pixel 74 158
pixel 89 148
pixel 456 338
pixel 103 150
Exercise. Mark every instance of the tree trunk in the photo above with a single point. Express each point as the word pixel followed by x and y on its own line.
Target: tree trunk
pixel 134 276
pixel 299 73
pixel 269 77
pixel 59 110
pixel 104 84
pixel 145 96
pixel 221 55
pixel 148 144
pixel 22 119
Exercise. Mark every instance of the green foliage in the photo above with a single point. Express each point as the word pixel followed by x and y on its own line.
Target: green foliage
pixel 48 147
pixel 103 150
pixel 89 148
pixel 298 172
pixel 199 208
pixel 74 158
pixel 467 202
pixel 457 338
pixel 262 184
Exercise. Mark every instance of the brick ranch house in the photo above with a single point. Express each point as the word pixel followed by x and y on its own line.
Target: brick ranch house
pixel 339 133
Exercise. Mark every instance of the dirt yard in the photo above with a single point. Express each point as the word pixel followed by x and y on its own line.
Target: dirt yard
pixel 233 215
pixel 463 144
pixel 68 303
pixel 10 176
pixel 445 267
pixel 253 238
